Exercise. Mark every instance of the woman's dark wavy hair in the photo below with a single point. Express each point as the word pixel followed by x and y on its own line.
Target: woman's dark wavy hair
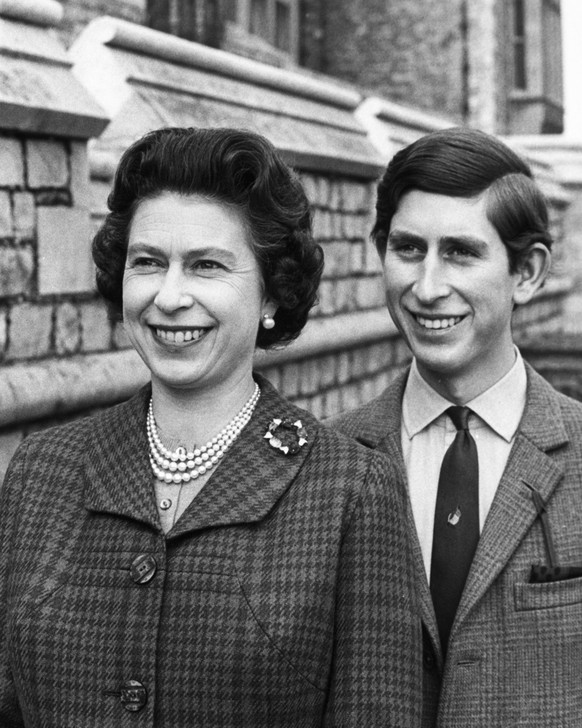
pixel 233 167
pixel 460 162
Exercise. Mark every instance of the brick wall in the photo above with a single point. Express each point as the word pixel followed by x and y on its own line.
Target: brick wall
pixel 61 357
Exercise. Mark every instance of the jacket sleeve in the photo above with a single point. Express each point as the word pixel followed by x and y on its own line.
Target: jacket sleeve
pixel 10 714
pixel 376 676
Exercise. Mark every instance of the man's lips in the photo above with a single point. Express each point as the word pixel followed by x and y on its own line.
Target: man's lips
pixel 179 335
pixel 437 322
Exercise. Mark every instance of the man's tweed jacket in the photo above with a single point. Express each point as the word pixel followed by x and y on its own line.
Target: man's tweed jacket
pixel 515 652
pixel 282 597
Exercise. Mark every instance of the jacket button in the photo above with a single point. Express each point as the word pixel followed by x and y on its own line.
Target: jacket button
pixel 428 660
pixel 143 568
pixel 133 695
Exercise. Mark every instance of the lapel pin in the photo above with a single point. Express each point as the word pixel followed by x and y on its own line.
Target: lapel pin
pixel 286 435
pixel 454 518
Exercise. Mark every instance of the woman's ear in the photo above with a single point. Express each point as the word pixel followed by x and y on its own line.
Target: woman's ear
pixel 531 274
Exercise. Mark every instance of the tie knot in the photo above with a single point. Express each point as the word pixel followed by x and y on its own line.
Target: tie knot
pixel 460 417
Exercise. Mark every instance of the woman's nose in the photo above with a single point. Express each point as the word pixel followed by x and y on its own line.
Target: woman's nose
pixel 430 283
pixel 172 294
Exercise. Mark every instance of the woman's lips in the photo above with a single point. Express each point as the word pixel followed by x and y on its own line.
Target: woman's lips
pixel 179 336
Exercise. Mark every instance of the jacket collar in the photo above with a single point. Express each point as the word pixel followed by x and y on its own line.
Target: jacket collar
pixel 243 489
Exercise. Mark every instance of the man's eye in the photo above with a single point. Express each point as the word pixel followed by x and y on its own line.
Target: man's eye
pixel 459 252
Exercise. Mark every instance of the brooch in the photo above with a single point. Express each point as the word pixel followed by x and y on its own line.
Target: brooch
pixel 289 438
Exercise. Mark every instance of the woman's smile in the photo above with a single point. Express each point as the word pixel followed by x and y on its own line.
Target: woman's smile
pixel 173 335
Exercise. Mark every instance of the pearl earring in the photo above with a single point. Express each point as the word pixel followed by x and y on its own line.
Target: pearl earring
pixel 268 321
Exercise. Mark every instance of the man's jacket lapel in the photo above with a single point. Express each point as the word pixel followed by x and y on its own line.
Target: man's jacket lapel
pixel 513 512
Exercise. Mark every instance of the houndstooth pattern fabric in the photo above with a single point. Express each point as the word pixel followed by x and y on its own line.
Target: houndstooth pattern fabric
pixel 515 651
pixel 281 598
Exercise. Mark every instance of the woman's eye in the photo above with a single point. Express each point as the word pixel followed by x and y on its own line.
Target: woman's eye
pixel 146 262
pixel 208 265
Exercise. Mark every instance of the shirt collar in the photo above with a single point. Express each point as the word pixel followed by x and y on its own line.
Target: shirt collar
pixel 500 407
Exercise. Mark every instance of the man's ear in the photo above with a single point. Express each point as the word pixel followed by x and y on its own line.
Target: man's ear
pixel 531 274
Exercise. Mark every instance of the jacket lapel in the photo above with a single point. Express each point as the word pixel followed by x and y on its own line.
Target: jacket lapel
pixel 253 475
pixel 513 513
pixel 243 489
pixel 118 477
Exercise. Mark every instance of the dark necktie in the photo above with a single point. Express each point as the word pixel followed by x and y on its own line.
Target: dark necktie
pixel 456 523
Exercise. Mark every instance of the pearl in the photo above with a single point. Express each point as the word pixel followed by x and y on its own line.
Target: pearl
pixel 181 466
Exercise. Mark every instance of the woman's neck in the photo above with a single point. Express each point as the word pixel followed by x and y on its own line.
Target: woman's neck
pixel 194 416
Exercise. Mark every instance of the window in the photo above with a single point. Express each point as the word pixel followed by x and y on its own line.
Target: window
pixel 519 48
pixel 274 21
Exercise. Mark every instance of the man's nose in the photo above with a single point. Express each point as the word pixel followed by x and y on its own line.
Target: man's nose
pixel 431 283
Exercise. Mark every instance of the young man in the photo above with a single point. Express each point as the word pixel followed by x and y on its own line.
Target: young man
pixel 495 483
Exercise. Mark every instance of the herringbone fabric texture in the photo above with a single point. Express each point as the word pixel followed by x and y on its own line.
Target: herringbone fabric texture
pixel 281 598
pixel 515 651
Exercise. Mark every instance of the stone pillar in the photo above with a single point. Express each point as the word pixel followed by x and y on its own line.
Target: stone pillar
pixel 46 120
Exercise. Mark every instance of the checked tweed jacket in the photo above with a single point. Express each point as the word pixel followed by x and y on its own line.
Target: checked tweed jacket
pixel 515 652
pixel 281 598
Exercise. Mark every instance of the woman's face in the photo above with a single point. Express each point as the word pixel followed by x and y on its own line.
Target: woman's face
pixel 192 293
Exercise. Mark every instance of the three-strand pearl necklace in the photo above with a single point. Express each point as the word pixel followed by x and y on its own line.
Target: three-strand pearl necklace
pixel 180 466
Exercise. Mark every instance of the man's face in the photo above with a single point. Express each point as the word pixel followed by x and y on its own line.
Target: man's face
pixel 450 292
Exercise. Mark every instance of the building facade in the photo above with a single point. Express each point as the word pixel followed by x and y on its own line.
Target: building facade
pixel 495 64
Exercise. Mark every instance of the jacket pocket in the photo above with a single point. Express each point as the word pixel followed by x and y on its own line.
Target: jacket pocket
pixel 548 595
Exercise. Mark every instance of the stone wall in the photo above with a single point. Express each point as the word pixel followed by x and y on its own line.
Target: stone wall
pixel 61 356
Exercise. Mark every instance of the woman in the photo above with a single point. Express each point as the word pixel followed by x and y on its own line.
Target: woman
pixel 206 553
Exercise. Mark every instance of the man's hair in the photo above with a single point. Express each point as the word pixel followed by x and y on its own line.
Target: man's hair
pixel 233 167
pixel 461 162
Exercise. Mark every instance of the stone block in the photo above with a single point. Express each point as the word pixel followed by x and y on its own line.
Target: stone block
pixel 11 163
pixel 331 402
pixel 369 292
pixel 345 295
pixel 350 397
pixel 95 327
pixel 327 371
pixel 47 163
pixel 64 251
pixel 30 331
pixel 355 196
pixel 315 406
pixel 310 371
pixel 311 186
pixel 326 296
pixel 344 368
pixel 337 259
pixel 5 215
pixel 80 184
pixel 67 329
pixel 322 225
pixel 357 257
pixel 23 214
pixel 354 227
pixel 290 384
pixel 335 195
pixel 16 270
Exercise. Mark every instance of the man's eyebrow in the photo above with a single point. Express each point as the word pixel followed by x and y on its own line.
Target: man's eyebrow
pixel 402 236
pixel 469 241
